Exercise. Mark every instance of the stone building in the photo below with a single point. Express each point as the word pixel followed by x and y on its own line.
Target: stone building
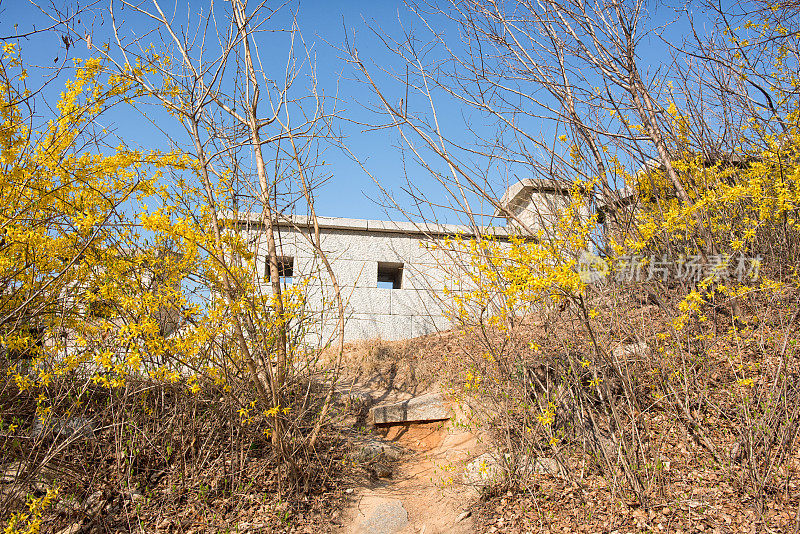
pixel 392 274
pixel 535 202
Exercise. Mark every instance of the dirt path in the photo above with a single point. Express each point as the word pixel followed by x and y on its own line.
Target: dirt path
pixel 425 493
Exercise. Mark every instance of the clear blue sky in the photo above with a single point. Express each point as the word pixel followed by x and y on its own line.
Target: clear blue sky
pixel 323 24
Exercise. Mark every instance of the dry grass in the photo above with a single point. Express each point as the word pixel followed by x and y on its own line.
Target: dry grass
pixel 698 433
pixel 412 366
pixel 162 458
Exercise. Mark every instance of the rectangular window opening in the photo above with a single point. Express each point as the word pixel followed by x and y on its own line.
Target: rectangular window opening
pixel 390 275
pixel 285 270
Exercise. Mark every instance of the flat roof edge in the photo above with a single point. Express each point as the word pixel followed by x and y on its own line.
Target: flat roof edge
pixel 369 225
pixel 519 191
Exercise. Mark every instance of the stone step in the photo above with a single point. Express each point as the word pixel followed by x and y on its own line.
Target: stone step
pixel 431 407
pixel 380 515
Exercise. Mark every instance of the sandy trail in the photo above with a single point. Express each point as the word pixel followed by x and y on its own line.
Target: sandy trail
pixel 425 494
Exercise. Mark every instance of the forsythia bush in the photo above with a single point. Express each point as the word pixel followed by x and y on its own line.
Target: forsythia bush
pixel 80 284
pixel 598 390
pixel 110 286
pixel 30 522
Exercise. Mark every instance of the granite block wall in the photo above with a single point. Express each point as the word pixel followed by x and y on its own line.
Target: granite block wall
pixel 411 310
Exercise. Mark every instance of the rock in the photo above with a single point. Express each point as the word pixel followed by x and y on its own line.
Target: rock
pixel 483 470
pixel 737 452
pixel 486 469
pixel 546 466
pixel 68 505
pixel 462 516
pixel 77 428
pixel 374 449
pixel 12 471
pixel 72 529
pixel 425 408
pixel 95 504
pixel 641 350
pixel 384 516
pixel 364 397
pixel 156 476
pixel 538 466
pixel 15 494
pixel 252 527
pixel 381 471
pixel 39 479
